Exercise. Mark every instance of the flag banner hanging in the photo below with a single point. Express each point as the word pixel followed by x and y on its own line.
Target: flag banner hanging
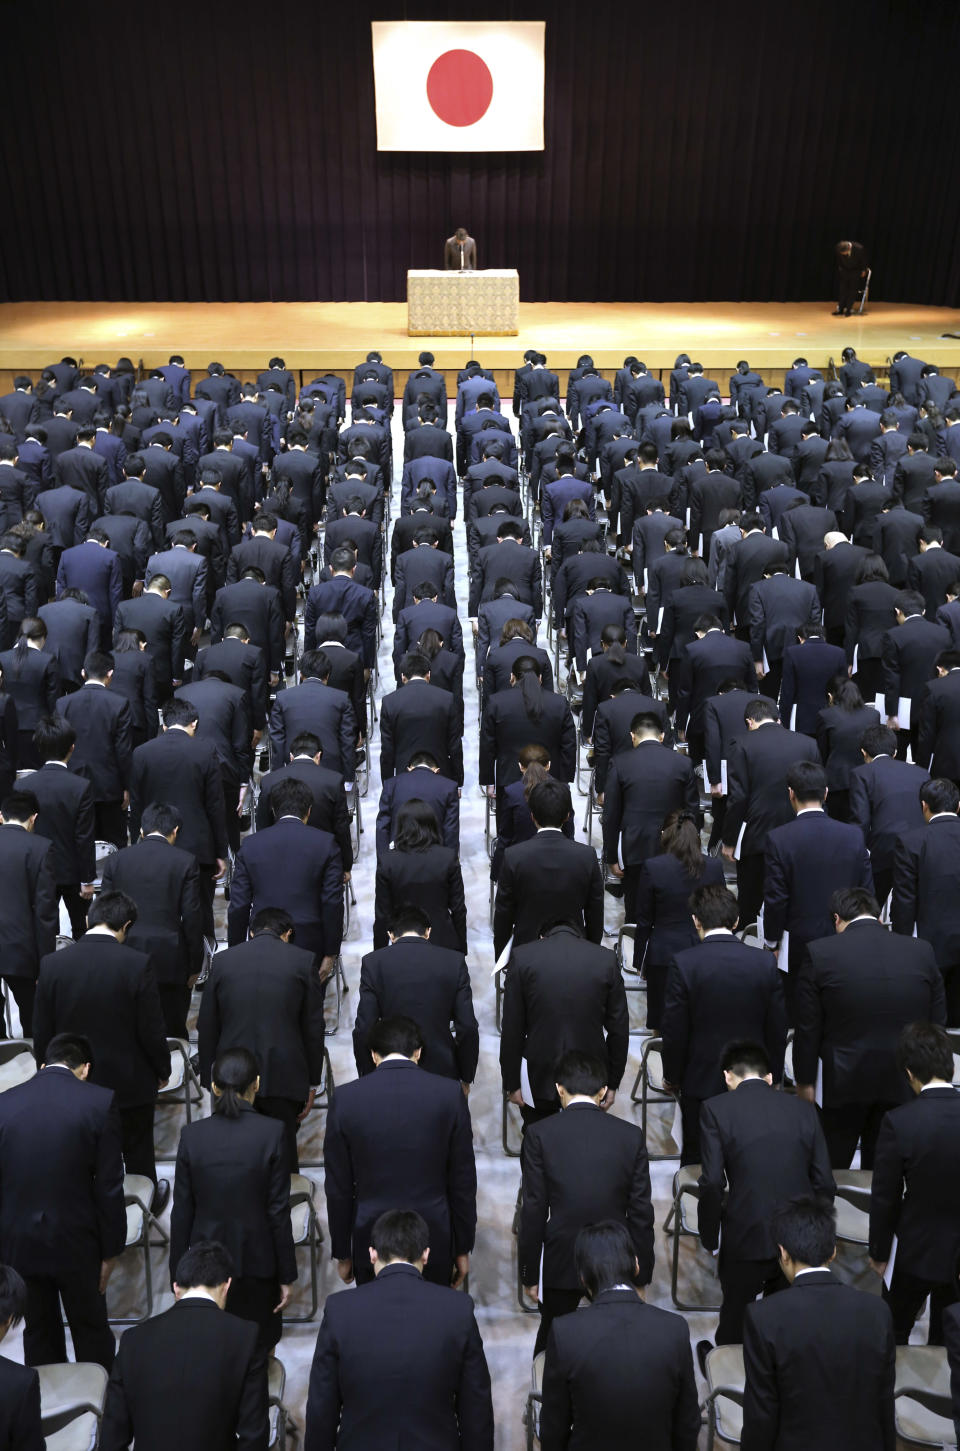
pixel 459 85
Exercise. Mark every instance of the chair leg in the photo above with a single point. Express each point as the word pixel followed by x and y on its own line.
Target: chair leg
pixel 505 1131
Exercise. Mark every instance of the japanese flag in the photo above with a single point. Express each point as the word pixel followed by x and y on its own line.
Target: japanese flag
pixel 459 85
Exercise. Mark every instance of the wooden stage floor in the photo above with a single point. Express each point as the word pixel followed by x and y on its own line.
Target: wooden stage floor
pixel 336 335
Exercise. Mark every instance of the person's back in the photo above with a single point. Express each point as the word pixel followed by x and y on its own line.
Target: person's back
pixel 191 1377
pixel 618 1365
pixel 399 1362
pixel 820 1357
pixel 400 1133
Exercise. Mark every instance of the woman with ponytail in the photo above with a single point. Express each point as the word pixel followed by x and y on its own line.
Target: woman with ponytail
pixel 840 726
pixel 421 871
pixel 232 1186
pixel 664 924
pixel 525 714
pixel 31 679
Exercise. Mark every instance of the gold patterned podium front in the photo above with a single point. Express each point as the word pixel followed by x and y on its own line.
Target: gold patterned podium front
pixel 455 304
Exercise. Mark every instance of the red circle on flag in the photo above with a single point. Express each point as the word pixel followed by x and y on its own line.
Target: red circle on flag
pixel 459 87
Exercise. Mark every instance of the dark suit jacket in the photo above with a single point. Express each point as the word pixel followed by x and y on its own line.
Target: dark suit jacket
pixel 103 752
pixel 600 679
pixel 165 884
pixel 341 595
pixel 182 771
pixel 32 681
pixel 909 653
pixel 67 513
pixel 715 991
pixel 839 733
pixel 430 879
pixel 803 530
pixel 244 665
pixel 938 741
pixel 83 468
pixel 664 923
pixel 870 614
pixel 19 1407
pixel 562 992
pixel 855 992
pixel 764 1147
pixel 757 792
pixel 611 729
pixel 885 804
pixel 505 729
pixel 779 606
pixel 835 573
pixel 580 1168
pixel 233 1186
pixel 107 991
pixel 399 1361
pixel 266 994
pixel 601 1364
pixel 95 570
pixel 298 868
pixel 747 563
pixel 916 1183
pixel 437 790
pixel 259 608
pixel 29 912
pixel 421 717
pixel 807 672
pixel 925 865
pixel 224 720
pixel 800 1350
pixel 62 1171
pixel 73 630
pixel 547 879
pixel 931 573
pixel 191 1377
pixel 896 538
pixel 417 979
pixel 329 801
pixel 20 588
pixel 327 713
pixel 65 820
pixel 400 1131
pixel 712 660
pixel 164 625
pixel 642 787
pixel 807 860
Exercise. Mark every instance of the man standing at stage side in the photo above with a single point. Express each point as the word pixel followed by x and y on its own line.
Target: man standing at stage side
pixel 851 273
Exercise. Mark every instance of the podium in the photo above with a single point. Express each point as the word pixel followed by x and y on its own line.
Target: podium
pixel 456 304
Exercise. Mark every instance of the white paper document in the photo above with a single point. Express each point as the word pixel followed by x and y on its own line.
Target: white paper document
pixel 676 1128
pixel 526 1092
pixel 888 1272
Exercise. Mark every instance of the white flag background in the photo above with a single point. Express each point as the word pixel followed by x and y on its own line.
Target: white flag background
pixel 459 85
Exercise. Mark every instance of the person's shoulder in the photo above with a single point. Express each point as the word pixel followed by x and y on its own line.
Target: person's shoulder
pixel 16 1380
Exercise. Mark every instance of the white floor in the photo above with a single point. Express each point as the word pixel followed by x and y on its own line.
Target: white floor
pixel 507 1332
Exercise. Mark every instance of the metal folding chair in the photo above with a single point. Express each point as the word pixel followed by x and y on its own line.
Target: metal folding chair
pixel 308 1235
pixel 184 1086
pixel 648 1087
pixel 726 1380
pixel 508 1148
pixel 682 1222
pixel 924 1409
pixel 17 1063
pixel 341 989
pixel 522 1301
pixel 531 1415
pixel 144 1232
pixel 277 1411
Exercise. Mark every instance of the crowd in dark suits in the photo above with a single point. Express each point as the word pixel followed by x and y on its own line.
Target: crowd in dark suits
pixel 749 614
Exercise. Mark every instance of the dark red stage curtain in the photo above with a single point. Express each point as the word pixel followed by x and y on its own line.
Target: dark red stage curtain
pixel 227 151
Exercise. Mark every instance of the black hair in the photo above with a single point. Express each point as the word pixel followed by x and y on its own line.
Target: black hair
pixel 743 1057
pixel 604 1256
pixel 416 826
pixel 206 1264
pixel 400 1234
pixel 161 817
pixel 806 1227
pixel 808 781
pixel 291 797
pixel 395 1035
pixel 926 1051
pixel 113 910
pixel 940 795
pixel 550 803
pixel 851 902
pixel 72 1050
pixel 714 906
pixel 233 1073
